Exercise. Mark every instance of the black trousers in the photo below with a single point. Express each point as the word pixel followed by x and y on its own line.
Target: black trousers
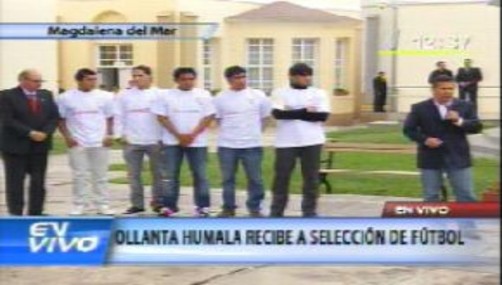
pixel 471 96
pixel 379 102
pixel 17 166
pixel 285 161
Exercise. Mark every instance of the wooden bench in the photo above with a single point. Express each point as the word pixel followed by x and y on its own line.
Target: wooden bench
pixel 333 147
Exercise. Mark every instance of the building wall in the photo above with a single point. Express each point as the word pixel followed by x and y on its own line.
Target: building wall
pixel 18 55
pixel 235 52
pixel 77 54
pixel 479 23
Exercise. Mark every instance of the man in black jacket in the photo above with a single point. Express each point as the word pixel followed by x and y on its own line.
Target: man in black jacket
pixel 380 92
pixel 440 70
pixel 468 78
pixel 440 126
pixel 29 117
pixel 300 111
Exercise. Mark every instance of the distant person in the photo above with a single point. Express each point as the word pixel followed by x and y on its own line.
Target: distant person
pixel 241 113
pixel 468 78
pixel 440 126
pixel 141 134
pixel 440 70
pixel 300 111
pixel 87 127
pixel 185 113
pixel 380 92
pixel 29 118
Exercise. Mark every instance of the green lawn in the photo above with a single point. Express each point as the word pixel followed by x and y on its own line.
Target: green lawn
pixel 485 170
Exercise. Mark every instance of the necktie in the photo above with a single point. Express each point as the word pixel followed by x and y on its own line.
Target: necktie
pixel 33 103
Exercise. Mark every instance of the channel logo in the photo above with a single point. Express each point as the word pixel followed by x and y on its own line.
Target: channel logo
pixel 56 237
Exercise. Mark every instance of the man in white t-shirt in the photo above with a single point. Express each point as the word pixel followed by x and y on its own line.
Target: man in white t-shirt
pixel 87 127
pixel 300 111
pixel 241 113
pixel 141 133
pixel 185 113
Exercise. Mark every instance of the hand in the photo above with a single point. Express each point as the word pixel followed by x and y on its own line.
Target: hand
pixel 108 141
pixel 311 109
pixel 452 116
pixel 433 142
pixel 185 139
pixel 70 142
pixel 38 136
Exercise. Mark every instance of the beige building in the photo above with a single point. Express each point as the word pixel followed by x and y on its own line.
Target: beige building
pixel 424 33
pixel 266 39
pixel 18 55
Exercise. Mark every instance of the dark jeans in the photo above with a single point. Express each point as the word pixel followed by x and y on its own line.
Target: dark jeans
pixel 251 160
pixel 285 160
pixel 379 102
pixel 17 166
pixel 172 158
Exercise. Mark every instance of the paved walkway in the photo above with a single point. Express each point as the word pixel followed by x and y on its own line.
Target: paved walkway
pixel 58 203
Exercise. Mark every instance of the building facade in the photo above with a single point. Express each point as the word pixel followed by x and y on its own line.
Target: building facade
pixel 267 39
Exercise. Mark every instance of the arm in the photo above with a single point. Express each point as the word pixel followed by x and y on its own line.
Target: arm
pixel 168 125
pixel 431 77
pixel 470 123
pixel 63 129
pixel 297 114
pixel 480 75
pixel 411 128
pixel 9 121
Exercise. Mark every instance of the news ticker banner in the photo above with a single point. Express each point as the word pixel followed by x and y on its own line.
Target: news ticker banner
pixel 107 31
pixel 49 241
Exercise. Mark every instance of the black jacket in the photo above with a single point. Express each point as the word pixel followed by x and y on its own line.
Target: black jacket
pixel 425 121
pixel 18 121
pixel 471 74
pixel 379 85
pixel 437 73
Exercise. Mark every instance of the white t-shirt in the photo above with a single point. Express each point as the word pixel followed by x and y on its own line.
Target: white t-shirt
pixel 185 109
pixel 139 124
pixel 240 115
pixel 299 133
pixel 86 114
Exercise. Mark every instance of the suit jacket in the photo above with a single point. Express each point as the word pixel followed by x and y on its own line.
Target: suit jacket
pixel 379 86
pixel 471 74
pixel 425 121
pixel 437 73
pixel 18 121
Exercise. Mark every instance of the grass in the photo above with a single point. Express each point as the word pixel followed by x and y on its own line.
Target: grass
pixel 485 170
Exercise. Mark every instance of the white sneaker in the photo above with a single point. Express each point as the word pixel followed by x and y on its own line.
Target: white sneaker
pixel 105 210
pixel 78 211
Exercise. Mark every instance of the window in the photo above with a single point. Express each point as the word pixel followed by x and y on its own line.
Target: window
pixel 207 53
pixel 341 49
pixel 260 64
pixel 115 55
pixel 307 51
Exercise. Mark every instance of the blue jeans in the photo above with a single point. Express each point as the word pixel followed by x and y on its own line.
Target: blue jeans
pixel 460 180
pixel 197 160
pixel 251 159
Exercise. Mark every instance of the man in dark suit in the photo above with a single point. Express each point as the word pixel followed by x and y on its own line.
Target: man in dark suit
pixel 440 126
pixel 440 70
pixel 380 92
pixel 468 78
pixel 30 118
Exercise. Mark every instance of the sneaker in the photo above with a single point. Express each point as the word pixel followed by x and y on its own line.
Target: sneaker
pixel 202 212
pixel 166 212
pixel 226 213
pixel 105 210
pixel 156 207
pixel 77 211
pixel 256 214
pixel 133 210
